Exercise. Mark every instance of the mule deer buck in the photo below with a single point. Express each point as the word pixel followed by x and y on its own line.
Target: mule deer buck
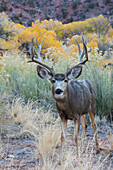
pixel 74 98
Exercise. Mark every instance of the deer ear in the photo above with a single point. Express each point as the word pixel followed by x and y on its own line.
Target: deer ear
pixel 43 73
pixel 75 72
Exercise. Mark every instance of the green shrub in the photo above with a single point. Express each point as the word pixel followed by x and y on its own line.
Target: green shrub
pixel 75 13
pixel 82 15
pixel 20 22
pixel 24 3
pixel 74 5
pixel 31 3
pixel 107 1
pixel 29 23
pixel 47 17
pixel 102 81
pixel 70 20
pixel 32 12
pixel 16 17
pixel 20 78
pixel 104 90
pixel 64 12
pixel 3 7
pixel 111 13
pixel 20 15
pixel 37 4
pixel 1 30
pixel 91 5
pixel 97 4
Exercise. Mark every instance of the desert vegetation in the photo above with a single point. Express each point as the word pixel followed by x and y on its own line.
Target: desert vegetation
pixel 26 100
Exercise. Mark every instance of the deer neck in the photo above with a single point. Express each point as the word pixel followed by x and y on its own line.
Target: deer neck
pixel 61 101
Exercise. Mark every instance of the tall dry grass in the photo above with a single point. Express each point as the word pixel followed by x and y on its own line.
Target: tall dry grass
pixel 43 126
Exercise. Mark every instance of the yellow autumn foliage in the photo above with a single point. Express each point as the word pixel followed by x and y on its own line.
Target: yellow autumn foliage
pixel 59 38
pixel 37 30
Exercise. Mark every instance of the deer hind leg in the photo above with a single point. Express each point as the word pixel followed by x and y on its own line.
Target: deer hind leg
pixel 63 131
pixel 76 131
pixel 84 128
pixel 92 119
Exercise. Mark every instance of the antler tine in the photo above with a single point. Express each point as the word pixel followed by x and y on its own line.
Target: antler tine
pixel 29 51
pixel 39 48
pixel 35 54
pixel 86 52
pixel 78 47
pixel 81 55
pixel 32 47
pixel 90 49
pixel 81 62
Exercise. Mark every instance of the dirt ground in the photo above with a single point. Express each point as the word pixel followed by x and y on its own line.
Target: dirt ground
pixel 19 152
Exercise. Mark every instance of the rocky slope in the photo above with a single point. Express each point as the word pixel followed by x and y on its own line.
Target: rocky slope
pixel 24 12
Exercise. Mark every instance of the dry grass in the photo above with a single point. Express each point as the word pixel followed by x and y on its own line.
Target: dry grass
pixel 48 141
pixel 29 116
pixel 46 130
pixel 44 127
pixel 39 123
pixel 108 148
pixel 110 140
pixel 86 161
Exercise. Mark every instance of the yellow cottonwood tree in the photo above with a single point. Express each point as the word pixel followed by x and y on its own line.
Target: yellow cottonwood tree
pixel 37 29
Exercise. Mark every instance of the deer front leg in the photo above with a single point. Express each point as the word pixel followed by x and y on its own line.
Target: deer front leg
pixel 63 131
pixel 76 131
pixel 84 128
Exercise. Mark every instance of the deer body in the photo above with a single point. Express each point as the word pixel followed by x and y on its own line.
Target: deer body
pixel 74 98
pixel 78 99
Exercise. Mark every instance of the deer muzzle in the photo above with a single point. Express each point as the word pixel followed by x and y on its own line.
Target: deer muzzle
pixel 58 91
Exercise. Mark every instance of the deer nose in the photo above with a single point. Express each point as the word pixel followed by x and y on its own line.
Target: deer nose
pixel 58 91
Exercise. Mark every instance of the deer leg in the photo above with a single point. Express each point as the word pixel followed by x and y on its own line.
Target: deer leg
pixel 92 119
pixel 76 131
pixel 84 128
pixel 63 131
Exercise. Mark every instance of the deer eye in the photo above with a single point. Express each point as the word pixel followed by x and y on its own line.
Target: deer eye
pixel 65 80
pixel 53 81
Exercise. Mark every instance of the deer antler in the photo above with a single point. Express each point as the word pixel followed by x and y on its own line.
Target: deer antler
pixel 36 55
pixel 81 61
pixel 81 55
